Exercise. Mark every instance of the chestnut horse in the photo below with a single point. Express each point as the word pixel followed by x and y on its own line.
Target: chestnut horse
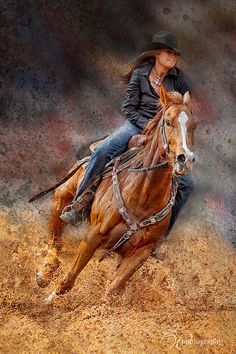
pixel 136 207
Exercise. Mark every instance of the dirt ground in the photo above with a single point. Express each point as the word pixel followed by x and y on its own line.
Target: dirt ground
pixel 184 303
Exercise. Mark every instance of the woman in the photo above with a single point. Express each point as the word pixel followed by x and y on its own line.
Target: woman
pixel 152 68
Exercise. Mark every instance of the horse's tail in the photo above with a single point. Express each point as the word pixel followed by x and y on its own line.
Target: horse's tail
pixel 68 176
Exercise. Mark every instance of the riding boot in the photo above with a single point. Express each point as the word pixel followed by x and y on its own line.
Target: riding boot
pixel 79 211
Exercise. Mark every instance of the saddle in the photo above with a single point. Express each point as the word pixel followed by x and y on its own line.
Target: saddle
pixel 84 202
pixel 135 141
pixel 134 145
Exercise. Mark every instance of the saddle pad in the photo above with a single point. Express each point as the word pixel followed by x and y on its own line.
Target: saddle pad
pixel 127 156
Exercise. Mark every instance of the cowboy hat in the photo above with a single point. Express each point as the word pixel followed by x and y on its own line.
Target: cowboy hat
pixel 163 40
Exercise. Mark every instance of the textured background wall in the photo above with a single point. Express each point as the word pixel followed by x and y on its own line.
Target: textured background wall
pixel 60 67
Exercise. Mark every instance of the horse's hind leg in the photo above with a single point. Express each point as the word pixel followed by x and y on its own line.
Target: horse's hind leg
pixel 128 267
pixel 87 248
pixel 56 227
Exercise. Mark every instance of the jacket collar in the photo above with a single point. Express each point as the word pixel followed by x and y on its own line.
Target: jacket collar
pixel 145 70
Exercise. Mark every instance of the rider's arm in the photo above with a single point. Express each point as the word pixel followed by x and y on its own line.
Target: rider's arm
pixel 182 83
pixel 131 101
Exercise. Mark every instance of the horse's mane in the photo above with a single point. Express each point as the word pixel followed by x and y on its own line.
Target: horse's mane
pixel 150 129
pixel 176 98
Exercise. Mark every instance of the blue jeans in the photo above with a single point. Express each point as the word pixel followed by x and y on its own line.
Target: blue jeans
pixel 185 188
pixel 113 146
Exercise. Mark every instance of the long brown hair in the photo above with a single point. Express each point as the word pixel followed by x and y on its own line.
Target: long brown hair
pixel 147 57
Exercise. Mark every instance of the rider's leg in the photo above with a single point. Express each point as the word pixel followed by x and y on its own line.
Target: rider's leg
pixel 185 188
pixel 112 146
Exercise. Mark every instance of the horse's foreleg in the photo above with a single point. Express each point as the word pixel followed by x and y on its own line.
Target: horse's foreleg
pixel 86 250
pixel 128 267
pixel 63 196
pixel 56 227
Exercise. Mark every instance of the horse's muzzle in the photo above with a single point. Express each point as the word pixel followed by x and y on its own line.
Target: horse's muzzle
pixel 183 164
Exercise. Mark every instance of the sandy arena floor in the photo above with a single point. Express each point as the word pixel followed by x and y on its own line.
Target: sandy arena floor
pixel 183 304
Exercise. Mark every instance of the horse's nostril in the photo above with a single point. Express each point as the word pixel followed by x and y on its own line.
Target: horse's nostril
pixel 194 159
pixel 181 158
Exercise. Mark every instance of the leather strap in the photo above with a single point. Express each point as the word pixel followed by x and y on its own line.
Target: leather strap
pixel 132 222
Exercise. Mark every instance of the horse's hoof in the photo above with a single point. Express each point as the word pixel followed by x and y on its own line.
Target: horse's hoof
pixel 41 280
pixel 112 294
pixel 111 298
pixel 50 298
pixel 63 289
pixel 44 277
pixel 159 257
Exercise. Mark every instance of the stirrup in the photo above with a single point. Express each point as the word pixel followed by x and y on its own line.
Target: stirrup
pixel 79 210
pixel 71 216
pixel 67 208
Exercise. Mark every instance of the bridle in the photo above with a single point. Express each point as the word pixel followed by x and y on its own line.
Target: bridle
pixel 165 145
pixel 162 125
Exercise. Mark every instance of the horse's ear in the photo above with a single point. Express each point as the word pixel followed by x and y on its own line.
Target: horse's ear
pixel 186 98
pixel 164 97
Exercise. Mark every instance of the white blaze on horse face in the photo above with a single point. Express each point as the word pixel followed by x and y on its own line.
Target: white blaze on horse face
pixel 182 121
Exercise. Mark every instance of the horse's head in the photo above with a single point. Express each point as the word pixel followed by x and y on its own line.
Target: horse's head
pixel 177 130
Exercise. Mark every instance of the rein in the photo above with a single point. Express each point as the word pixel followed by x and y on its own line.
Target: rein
pixel 162 125
pixel 68 176
pixel 147 169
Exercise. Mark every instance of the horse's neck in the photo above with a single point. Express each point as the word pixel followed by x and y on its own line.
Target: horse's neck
pixel 154 184
pixel 155 153
pixel 153 150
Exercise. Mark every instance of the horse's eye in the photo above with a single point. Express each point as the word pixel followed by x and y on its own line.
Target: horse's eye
pixel 168 123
